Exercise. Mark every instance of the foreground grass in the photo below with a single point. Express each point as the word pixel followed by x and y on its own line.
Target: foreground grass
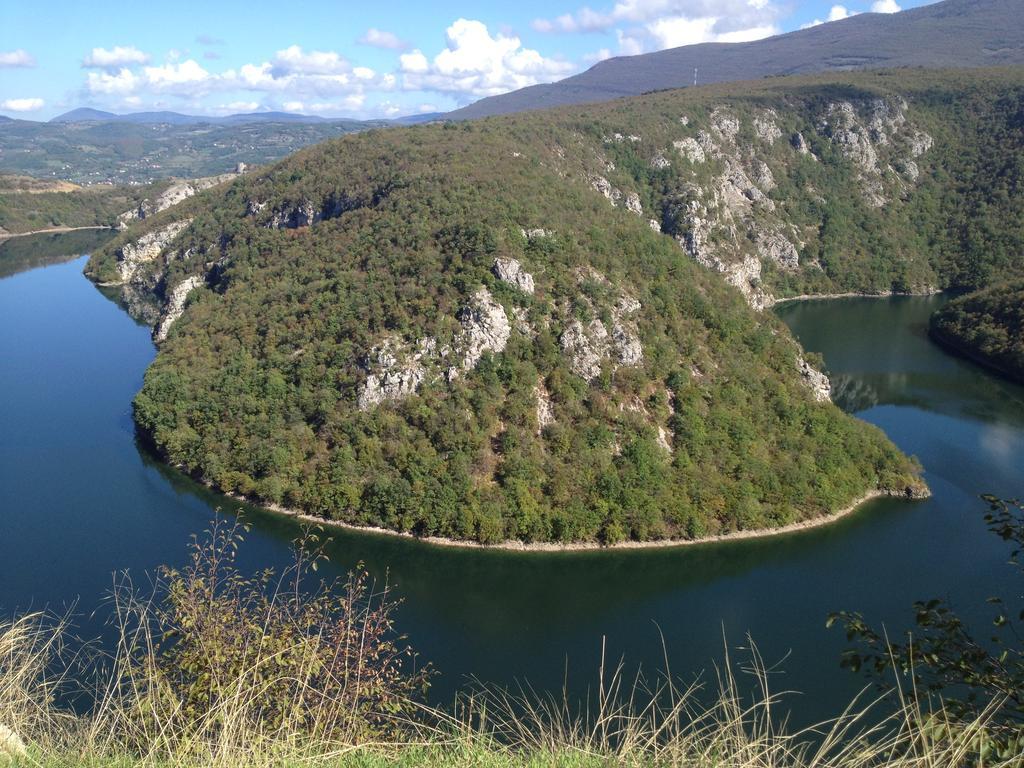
pixel 629 723
pixel 213 669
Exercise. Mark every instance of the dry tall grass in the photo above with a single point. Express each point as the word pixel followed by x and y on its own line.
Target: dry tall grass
pixel 628 722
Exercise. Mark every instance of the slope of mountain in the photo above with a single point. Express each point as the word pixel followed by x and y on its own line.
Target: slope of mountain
pixel 83 115
pixel 518 328
pixel 987 326
pixel 953 33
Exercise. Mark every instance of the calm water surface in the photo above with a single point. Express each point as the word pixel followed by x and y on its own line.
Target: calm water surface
pixel 79 500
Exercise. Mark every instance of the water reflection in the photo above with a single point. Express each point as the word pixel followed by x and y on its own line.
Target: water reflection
pixel 81 499
pixel 18 254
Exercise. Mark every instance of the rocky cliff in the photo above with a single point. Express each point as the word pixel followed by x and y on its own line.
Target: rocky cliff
pixel 554 326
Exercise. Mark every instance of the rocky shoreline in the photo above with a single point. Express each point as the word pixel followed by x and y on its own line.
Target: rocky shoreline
pixel 4 235
pixel 519 546
pixel 857 295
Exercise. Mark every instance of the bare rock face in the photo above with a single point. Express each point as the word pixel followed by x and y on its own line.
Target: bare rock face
pixel 396 370
pixel 814 380
pixel 176 304
pixel 850 136
pixel 746 276
pixel 886 117
pixel 739 191
pixel 254 207
pixel 725 124
pixel 763 176
pixel 587 346
pixel 691 149
pixel 602 185
pixel 664 439
pixel 660 162
pixel 12 748
pixel 302 215
pixel 919 142
pixel 766 128
pixel 485 328
pixel 511 271
pixel 908 168
pixel 799 143
pixel 633 204
pixel 545 410
pixel 393 372
pixel 145 249
pixel 536 234
pixel 775 247
pixel 654 224
pixel 174 194
pixel 626 343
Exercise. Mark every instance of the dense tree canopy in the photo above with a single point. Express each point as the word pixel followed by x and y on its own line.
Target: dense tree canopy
pixel 383 238
pixel 987 326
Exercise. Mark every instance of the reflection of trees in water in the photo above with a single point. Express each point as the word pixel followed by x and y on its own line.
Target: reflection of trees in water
pixel 19 254
pixel 853 393
pixel 964 392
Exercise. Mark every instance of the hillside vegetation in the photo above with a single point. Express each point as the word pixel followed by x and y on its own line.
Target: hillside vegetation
pixel 26 208
pixel 514 329
pixel 987 326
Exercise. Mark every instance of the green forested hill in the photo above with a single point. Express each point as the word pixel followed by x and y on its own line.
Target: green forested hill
pixel 987 326
pixel 25 211
pixel 477 330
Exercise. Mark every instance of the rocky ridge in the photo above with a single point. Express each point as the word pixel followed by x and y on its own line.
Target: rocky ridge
pixel 724 213
pixel 174 194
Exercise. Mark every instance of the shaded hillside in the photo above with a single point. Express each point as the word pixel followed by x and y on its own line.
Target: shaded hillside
pixel 514 329
pixel 986 326
pixel 954 33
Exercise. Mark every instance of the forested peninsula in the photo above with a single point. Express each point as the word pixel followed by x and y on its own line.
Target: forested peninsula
pixel 986 326
pixel 550 327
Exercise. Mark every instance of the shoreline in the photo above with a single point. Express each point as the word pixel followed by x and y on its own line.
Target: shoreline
pixel 855 295
pixel 50 231
pixel 955 348
pixel 586 546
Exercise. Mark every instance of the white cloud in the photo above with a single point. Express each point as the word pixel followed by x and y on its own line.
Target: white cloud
pixel 599 55
pixel 379 38
pixel 123 83
pixel 239 106
pixel 16 58
pixel 646 25
pixel 294 61
pixel 836 13
pixel 170 77
pixel 115 58
pixel 885 6
pixel 477 64
pixel 21 105
pixel 414 62
pixel 293 106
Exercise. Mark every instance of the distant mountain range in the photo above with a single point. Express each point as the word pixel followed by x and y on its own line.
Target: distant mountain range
pixel 954 33
pixel 88 115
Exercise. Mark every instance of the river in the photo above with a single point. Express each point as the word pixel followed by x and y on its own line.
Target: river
pixel 80 499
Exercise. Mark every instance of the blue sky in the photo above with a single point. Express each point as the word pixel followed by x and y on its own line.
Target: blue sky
pixel 335 58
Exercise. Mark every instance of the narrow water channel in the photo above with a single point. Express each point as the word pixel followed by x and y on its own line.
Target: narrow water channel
pixel 80 500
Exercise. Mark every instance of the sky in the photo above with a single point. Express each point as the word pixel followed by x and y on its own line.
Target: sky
pixel 344 59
